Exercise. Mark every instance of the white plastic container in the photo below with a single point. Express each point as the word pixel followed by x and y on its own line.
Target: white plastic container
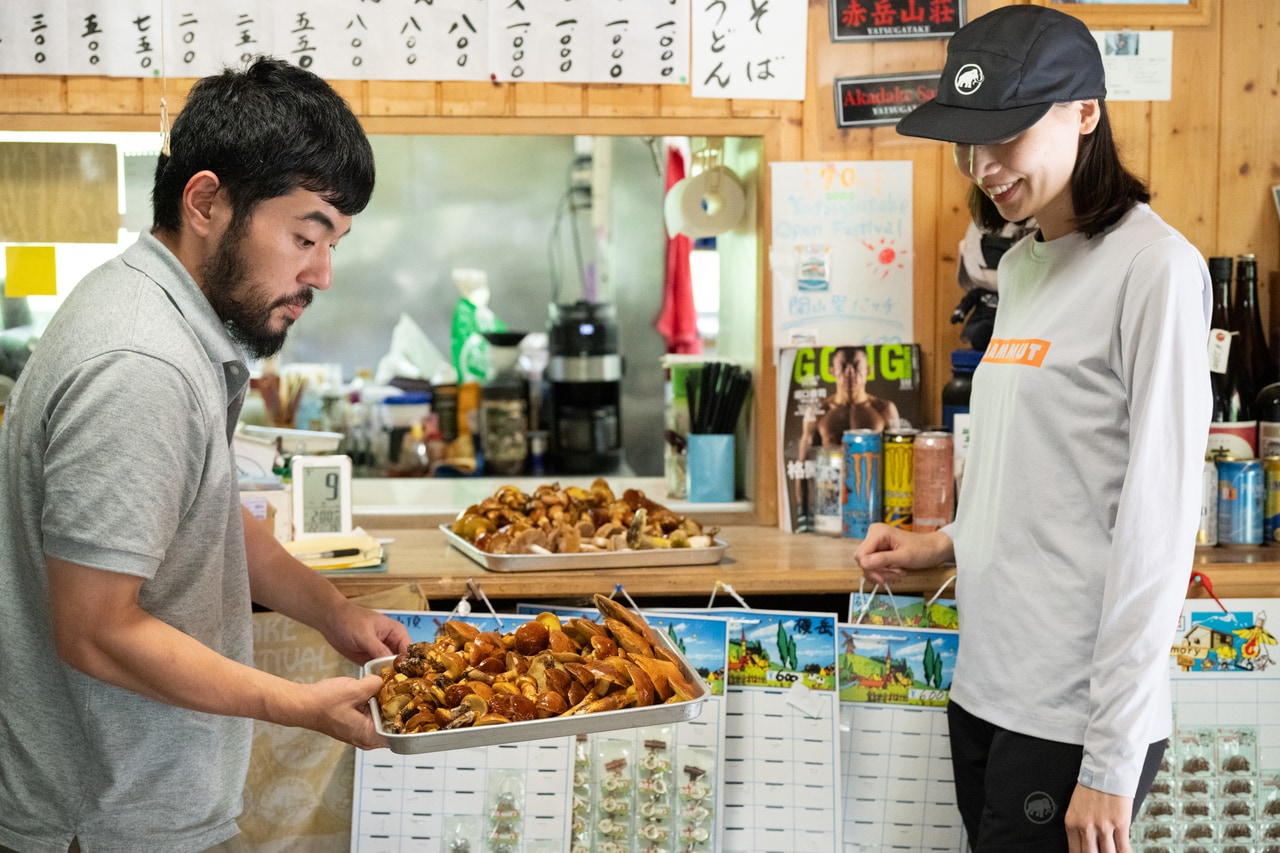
pixel 403 411
pixel 295 441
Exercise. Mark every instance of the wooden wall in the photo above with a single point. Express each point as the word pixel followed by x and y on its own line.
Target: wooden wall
pixel 1211 153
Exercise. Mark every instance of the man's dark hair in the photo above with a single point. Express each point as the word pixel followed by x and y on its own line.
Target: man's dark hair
pixel 850 352
pixel 265 131
pixel 1102 189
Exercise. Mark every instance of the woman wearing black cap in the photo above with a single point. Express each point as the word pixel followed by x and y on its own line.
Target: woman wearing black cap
pixel 1076 527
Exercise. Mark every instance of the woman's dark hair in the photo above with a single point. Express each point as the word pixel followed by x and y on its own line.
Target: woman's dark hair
pixel 1102 189
pixel 265 131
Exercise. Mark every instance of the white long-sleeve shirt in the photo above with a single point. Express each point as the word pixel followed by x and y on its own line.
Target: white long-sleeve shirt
pixel 1076 525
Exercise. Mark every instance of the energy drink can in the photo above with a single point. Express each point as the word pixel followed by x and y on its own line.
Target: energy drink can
pixel 1241 492
pixel 860 482
pixel 826 490
pixel 899 477
pixel 934 464
pixel 1207 534
pixel 1271 500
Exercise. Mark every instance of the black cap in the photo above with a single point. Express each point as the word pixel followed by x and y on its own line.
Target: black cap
pixel 1004 71
pixel 1220 268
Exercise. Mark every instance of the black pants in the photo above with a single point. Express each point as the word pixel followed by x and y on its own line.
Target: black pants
pixel 1013 789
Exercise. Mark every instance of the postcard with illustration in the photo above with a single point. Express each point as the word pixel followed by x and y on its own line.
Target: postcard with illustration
pixel 897 666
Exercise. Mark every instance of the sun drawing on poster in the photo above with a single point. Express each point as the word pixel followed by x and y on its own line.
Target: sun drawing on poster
pixel 885 257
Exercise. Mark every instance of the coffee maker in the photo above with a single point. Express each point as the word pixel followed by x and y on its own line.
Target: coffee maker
pixel 585 373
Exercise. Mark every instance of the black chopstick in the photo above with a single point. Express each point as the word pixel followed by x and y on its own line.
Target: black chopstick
pixel 716 397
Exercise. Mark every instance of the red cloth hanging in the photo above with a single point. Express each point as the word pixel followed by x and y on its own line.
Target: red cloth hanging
pixel 678 319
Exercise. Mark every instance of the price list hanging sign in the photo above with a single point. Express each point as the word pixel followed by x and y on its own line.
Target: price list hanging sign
pixel 881 20
pixel 564 41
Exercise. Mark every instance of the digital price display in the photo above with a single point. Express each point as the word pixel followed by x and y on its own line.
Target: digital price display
pixel 321 495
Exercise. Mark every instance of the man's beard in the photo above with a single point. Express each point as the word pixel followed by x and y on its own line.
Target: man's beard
pixel 246 315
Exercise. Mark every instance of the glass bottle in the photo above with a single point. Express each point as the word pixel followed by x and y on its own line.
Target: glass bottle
pixel 1234 430
pixel 1267 407
pixel 1246 323
pixel 1228 397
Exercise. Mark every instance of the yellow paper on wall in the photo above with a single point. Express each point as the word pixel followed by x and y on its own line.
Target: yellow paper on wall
pixel 31 271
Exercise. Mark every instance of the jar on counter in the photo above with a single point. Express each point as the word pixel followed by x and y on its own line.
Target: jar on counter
pixel 504 408
pixel 399 413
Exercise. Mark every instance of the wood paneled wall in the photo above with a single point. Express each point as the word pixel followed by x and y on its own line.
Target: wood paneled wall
pixel 1211 153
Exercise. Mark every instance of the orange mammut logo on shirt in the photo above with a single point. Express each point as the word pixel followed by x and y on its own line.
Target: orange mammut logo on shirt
pixel 1028 351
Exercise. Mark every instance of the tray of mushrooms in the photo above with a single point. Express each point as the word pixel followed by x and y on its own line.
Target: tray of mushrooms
pixel 557 528
pixel 546 678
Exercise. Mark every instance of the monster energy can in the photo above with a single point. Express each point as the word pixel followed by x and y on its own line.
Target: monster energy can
pixel 899 477
pixel 860 482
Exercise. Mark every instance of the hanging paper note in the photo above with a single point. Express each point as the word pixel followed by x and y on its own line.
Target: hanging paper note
pixel 31 271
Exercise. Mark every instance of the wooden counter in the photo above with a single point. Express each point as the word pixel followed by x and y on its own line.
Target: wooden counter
pixel 759 562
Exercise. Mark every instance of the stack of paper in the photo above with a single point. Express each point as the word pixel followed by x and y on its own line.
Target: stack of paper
pixel 354 550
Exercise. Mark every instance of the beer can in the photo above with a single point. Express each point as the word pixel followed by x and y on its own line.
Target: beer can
pixel 934 465
pixel 1241 492
pixel 1271 500
pixel 827 462
pixel 899 476
pixel 1207 534
pixel 860 482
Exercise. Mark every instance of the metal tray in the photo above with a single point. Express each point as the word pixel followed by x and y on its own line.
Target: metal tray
pixel 515 732
pixel 588 560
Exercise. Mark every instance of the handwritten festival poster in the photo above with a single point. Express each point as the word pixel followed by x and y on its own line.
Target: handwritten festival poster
pixel 841 253
pixel 581 41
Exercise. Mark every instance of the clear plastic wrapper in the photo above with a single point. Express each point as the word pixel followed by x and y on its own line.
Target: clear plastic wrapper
pixel 1237 751
pixel 615 795
pixel 505 811
pixel 1195 753
pixel 462 834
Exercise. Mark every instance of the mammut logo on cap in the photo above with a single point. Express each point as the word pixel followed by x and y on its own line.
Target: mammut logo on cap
pixel 1039 807
pixel 968 79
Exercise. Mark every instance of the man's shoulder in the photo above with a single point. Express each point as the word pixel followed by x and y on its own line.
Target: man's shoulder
pixel 121 310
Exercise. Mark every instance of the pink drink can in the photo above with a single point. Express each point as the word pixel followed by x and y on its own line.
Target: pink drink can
pixel 934 465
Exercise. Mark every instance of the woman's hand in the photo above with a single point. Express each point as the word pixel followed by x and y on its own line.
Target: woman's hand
pixel 1098 822
pixel 888 552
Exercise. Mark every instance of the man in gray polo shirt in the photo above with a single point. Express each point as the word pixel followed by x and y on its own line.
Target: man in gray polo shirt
pixel 127 565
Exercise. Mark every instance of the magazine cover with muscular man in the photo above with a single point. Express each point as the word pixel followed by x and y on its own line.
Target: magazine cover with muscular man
pixel 825 391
